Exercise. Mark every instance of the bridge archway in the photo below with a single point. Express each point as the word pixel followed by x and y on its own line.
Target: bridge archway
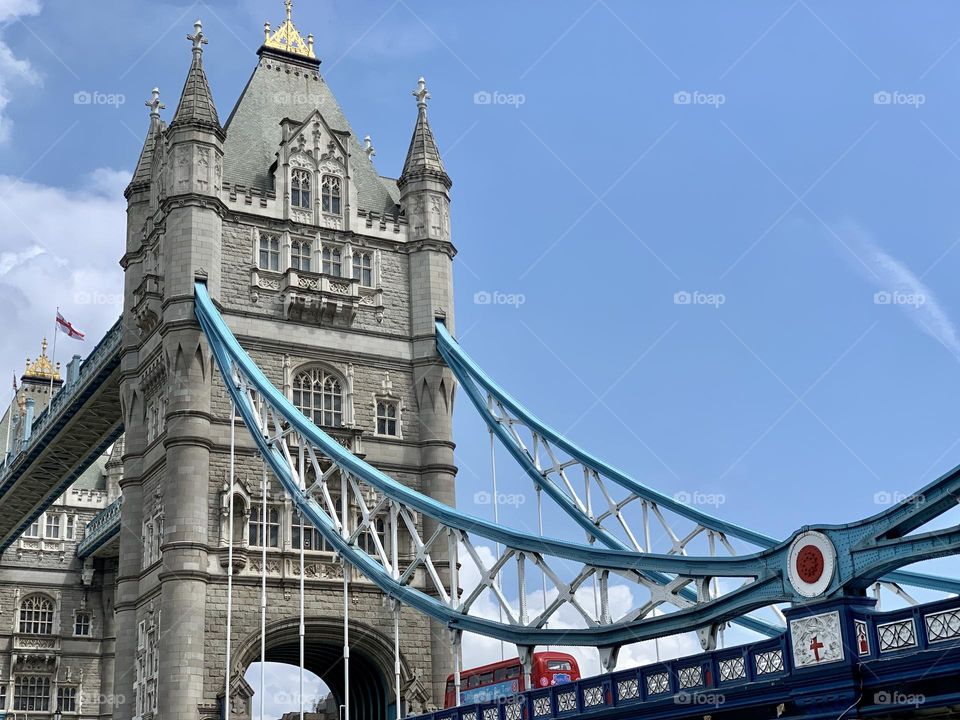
pixel 371 661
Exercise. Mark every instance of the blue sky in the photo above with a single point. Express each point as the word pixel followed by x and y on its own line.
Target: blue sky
pixel 785 166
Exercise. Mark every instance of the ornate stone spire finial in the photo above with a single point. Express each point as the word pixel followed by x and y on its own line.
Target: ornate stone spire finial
pixel 423 157
pixel 198 38
pixel 154 103
pixel 421 93
pixel 287 37
pixel 368 147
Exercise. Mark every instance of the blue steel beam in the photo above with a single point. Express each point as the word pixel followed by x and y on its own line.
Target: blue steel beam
pixel 652 574
pixel 768 567
pixel 912 512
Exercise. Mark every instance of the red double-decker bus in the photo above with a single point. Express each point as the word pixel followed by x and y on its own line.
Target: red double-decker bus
pixel 505 678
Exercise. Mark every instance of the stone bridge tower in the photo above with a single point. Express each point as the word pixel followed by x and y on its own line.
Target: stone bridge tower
pixel 331 276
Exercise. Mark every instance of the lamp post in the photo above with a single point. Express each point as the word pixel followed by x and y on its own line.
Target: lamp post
pixel 58 715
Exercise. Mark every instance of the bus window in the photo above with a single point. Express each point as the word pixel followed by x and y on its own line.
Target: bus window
pixel 486 679
pixel 473 681
pixel 562 665
pixel 500 674
pixel 513 672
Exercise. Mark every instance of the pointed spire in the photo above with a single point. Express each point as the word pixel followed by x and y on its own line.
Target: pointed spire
pixel 423 157
pixel 144 170
pixel 196 103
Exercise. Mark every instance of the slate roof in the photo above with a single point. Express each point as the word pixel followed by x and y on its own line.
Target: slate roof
pixel 143 172
pixel 94 477
pixel 196 102
pixel 285 87
pixel 423 157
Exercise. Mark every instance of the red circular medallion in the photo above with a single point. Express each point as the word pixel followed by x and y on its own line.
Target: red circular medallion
pixel 810 563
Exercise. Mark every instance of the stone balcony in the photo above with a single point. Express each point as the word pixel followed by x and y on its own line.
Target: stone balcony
pixel 319 298
pixel 35 652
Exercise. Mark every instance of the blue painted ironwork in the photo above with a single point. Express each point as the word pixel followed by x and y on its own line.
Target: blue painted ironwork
pixel 912 512
pixel 864 550
pixel 104 526
pixel 99 365
pixel 764 674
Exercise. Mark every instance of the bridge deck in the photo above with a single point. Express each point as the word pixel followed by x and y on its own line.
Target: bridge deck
pixel 83 420
pixel 905 664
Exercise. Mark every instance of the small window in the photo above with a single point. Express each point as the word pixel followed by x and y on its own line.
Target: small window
pixel 558 665
pixel 33 531
pixel 3 697
pixel 300 252
pixel 365 539
pixel 52 529
pixel 363 269
pixel 332 261
pixel 272 529
pixel 330 194
pixel 486 678
pixel 70 533
pixel 81 627
pixel 67 699
pixel 300 189
pixel 473 681
pixel 31 693
pixel 269 252
pixel 312 539
pixel 388 412
pixel 513 672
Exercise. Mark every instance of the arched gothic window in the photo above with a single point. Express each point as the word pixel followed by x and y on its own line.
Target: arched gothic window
pixel 300 189
pixel 269 251
pixel 36 615
pixel 300 251
pixel 363 268
pixel 319 395
pixel 31 693
pixel 333 261
pixel 81 625
pixel 330 194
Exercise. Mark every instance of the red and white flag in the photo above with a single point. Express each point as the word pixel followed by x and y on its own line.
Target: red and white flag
pixel 67 328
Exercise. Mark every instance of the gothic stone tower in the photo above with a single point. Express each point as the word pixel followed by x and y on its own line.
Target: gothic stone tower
pixel 331 277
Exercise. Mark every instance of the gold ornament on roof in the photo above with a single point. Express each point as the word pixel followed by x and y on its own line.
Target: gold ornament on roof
pixel 287 37
pixel 42 367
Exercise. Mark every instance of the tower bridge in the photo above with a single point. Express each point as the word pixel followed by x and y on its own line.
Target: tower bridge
pixel 277 400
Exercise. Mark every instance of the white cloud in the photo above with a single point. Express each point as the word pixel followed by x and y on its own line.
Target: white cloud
pixel 898 285
pixel 59 247
pixel 13 70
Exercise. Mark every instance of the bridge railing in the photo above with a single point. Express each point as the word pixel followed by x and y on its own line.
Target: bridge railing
pixel 684 681
pixel 920 627
pixel 89 367
pixel 104 525
pixel 709 679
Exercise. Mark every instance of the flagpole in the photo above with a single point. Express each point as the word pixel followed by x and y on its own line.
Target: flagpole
pixel 53 360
